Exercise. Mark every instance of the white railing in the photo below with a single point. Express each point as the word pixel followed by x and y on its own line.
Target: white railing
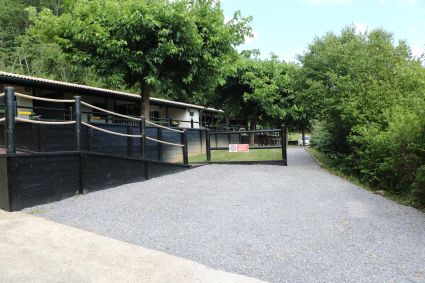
pixel 44 122
pixel 44 99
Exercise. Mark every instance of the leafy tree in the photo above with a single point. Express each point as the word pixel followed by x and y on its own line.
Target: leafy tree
pixel 368 94
pixel 26 54
pixel 180 45
pixel 352 79
pixel 258 92
pixel 300 112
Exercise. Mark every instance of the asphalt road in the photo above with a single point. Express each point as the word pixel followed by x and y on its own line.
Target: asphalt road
pixel 282 224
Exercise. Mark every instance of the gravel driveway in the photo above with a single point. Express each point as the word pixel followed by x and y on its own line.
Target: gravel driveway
pixel 281 224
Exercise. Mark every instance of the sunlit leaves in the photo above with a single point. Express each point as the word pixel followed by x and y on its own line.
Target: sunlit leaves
pixel 183 46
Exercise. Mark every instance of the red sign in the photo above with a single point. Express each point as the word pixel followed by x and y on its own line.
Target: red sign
pixel 238 147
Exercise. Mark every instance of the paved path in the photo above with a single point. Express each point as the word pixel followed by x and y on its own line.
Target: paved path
pixel 281 224
pixel 37 250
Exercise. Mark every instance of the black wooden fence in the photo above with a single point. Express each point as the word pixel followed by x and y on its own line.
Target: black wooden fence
pixel 29 179
pixel 49 162
pixel 44 138
pixel 53 160
pixel 263 139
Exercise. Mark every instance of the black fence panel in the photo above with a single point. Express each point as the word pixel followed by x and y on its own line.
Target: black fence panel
pixel 60 138
pixel 36 178
pixel 156 169
pixel 42 178
pixel 27 137
pixel 102 171
pixel 47 138
pixel 2 135
pixel 4 189
pixel 107 143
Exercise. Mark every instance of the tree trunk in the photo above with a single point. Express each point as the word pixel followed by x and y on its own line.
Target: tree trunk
pixel 252 127
pixel 145 104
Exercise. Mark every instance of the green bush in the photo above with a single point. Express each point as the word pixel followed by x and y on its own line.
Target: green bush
pixel 369 95
pixel 393 159
pixel 419 184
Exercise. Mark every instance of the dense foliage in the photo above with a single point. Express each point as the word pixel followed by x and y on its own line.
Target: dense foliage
pixel 368 96
pixel 258 92
pixel 181 46
pixel 26 53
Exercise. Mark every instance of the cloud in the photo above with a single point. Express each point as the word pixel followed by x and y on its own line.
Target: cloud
pixel 360 27
pixel 417 50
pixel 328 2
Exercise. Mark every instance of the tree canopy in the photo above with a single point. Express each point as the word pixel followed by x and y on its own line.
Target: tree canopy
pixel 368 95
pixel 258 91
pixel 181 46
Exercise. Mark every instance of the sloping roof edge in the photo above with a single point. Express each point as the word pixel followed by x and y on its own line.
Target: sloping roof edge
pixel 71 87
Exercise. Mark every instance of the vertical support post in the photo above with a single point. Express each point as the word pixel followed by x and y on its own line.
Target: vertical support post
pixel 185 149
pixel 191 122
pixel 284 142
pixel 170 122
pixel 208 144
pixel 77 119
pixel 82 169
pixel 10 120
pixel 200 138
pixel 143 139
pixel 159 145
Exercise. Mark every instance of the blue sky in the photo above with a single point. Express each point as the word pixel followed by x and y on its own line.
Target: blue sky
pixel 287 27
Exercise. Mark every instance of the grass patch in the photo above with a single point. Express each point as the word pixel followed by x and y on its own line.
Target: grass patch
pixel 332 166
pixel 38 211
pixel 294 136
pixel 252 155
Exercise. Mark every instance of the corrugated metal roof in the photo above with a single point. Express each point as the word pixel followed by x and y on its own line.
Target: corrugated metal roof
pixel 71 87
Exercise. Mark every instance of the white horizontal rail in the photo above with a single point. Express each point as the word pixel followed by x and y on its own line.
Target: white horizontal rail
pixel 164 142
pixel 111 132
pixel 44 122
pixel 2 120
pixel 163 127
pixel 110 112
pixel 1 94
pixel 44 99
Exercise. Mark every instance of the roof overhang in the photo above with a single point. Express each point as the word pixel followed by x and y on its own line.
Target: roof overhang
pixel 29 81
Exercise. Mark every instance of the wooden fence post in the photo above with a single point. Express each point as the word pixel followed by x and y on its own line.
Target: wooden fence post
pixel 10 120
pixel 208 144
pixel 77 118
pixel 159 145
pixel 185 149
pixel 143 138
pixel 284 142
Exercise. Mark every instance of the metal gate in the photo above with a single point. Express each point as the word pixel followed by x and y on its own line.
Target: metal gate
pixel 263 139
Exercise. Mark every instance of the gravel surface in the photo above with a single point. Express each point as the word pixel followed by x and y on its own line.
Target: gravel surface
pixel 282 224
